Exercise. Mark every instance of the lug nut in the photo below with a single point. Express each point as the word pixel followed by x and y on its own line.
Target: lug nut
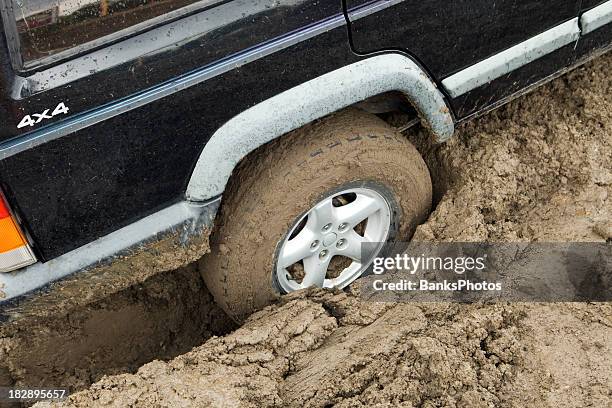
pixel 342 226
pixel 314 244
pixel 327 227
pixel 340 243
pixel 323 254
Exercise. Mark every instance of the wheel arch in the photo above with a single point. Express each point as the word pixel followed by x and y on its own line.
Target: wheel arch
pixel 310 101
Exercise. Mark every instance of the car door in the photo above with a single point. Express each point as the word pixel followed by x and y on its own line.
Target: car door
pixel 448 37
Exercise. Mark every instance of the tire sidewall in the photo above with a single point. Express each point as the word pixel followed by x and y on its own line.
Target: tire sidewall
pixel 284 181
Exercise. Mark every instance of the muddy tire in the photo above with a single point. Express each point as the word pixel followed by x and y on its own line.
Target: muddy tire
pixel 277 185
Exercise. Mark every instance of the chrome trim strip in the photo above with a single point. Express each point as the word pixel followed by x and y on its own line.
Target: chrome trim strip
pixel 186 218
pixel 513 58
pixel 597 17
pixel 98 115
pixel 371 8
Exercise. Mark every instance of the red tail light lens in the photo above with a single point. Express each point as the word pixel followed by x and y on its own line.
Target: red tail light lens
pixel 4 212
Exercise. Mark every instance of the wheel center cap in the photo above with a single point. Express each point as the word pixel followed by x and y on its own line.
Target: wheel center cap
pixel 329 239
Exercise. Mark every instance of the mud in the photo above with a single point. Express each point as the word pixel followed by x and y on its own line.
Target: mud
pixel 538 169
pixel 163 317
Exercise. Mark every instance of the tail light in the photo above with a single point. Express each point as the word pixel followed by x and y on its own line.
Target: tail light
pixel 15 252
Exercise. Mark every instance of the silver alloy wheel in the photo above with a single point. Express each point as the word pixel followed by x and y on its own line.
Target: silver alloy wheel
pixel 328 230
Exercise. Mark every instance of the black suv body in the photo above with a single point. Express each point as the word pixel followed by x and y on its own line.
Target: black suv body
pixel 121 122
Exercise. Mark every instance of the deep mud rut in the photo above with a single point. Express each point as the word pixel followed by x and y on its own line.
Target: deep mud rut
pixel 538 169
pixel 162 318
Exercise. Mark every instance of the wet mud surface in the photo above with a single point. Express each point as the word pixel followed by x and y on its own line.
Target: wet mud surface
pixel 538 169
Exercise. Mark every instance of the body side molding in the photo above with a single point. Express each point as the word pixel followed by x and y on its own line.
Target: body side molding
pixel 312 100
pixel 513 58
pixel 597 17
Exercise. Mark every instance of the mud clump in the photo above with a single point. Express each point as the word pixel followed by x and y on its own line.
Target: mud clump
pixel 538 169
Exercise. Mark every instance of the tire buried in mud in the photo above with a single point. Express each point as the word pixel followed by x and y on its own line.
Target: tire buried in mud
pixel 278 183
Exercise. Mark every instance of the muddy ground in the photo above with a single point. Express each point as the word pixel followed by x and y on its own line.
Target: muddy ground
pixel 538 169
pixel 162 318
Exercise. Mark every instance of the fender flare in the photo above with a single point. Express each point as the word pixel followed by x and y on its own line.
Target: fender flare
pixel 313 100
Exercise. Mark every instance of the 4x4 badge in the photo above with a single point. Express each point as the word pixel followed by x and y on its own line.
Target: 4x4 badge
pixel 38 117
